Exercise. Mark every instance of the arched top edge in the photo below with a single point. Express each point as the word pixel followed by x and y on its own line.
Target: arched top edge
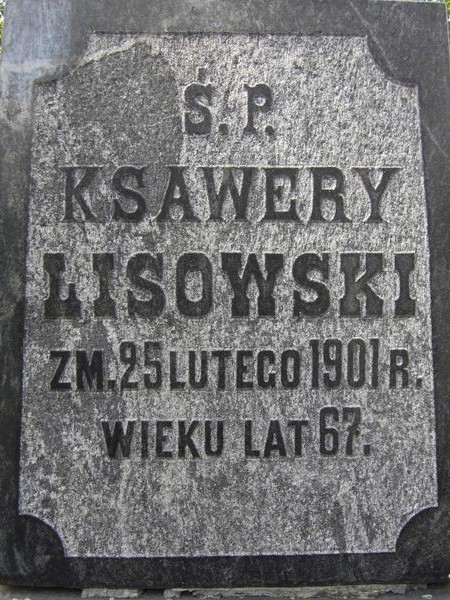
pixel 373 45
pixel 384 67
pixel 377 46
pixel 130 41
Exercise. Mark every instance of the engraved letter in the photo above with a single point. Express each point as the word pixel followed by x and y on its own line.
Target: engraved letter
pixel 118 438
pixel 232 265
pixel 75 190
pixel 276 192
pixel 120 214
pixel 240 199
pixel 350 305
pixel 405 306
pixel 192 96
pixel 189 263
pixel 303 266
pixel 259 99
pixel 147 309
pixel 176 182
pixel 320 193
pixel 375 193
pixel 55 307
pixel 104 305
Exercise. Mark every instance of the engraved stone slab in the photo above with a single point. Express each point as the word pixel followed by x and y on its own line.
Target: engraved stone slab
pixel 253 373
pixel 232 339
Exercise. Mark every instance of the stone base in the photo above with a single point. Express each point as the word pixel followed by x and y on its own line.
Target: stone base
pixel 351 592
pixel 111 593
pixel 357 592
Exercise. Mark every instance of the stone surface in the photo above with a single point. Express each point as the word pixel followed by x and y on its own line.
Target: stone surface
pixel 186 503
pixel 357 592
pixel 111 593
pixel 362 592
pixel 166 154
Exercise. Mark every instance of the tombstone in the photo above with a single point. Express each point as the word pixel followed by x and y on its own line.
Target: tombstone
pixel 225 288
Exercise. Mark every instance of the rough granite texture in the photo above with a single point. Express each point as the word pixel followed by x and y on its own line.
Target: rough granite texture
pixel 333 106
pixel 356 83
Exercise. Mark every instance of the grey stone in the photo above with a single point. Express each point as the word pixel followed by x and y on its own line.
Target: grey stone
pixel 386 592
pixel 111 593
pixel 188 514
pixel 361 592
pixel 120 268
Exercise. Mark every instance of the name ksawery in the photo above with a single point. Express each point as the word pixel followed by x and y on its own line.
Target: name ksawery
pixel 146 271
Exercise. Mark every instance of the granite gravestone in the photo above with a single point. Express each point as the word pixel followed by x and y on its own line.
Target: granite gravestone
pixel 224 289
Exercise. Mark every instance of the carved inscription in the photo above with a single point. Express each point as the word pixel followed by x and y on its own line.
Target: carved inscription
pixel 198 97
pixel 228 321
